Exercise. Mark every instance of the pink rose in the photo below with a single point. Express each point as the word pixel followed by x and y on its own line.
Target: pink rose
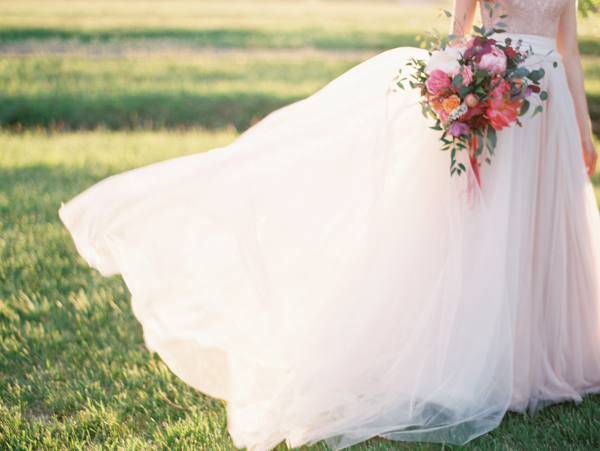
pixel 467 74
pixel 494 61
pixel 437 82
pixel 443 116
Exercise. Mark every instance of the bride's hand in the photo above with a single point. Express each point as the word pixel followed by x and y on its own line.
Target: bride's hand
pixel 590 156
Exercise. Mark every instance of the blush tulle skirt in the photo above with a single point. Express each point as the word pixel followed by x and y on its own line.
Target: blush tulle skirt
pixel 327 277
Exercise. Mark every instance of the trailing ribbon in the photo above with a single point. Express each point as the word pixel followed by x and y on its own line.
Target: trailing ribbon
pixel 473 158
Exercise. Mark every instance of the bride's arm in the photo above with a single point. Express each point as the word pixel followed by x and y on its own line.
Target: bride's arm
pixel 567 47
pixel 463 14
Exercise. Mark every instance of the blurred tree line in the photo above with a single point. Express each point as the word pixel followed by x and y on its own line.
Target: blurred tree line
pixel 588 6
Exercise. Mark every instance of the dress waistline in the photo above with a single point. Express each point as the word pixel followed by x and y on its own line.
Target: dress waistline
pixel 541 45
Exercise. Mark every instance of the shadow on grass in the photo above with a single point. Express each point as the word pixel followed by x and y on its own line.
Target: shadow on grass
pixel 594 109
pixel 212 111
pixel 243 38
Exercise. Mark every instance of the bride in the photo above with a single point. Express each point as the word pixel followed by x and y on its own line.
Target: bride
pixel 327 277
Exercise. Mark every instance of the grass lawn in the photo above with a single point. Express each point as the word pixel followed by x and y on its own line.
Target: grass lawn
pixel 158 91
pixel 74 373
pixel 37 86
pixel 340 24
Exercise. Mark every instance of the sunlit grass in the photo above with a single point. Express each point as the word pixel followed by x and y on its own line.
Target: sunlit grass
pixel 289 16
pixel 236 23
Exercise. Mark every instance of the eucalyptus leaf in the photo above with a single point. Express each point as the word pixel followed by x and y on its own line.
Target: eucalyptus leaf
pixel 464 90
pixel 492 137
pixel 536 75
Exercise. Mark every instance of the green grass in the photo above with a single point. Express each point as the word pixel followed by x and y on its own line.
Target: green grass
pixel 74 373
pixel 207 91
pixel 116 93
pixel 338 25
pixel 265 24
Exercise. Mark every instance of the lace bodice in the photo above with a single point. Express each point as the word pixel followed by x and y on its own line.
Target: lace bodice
pixel 538 17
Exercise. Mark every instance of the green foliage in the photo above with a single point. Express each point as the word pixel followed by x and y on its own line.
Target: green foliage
pixel 587 7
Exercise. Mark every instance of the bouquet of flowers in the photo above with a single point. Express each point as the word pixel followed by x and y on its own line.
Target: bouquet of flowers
pixel 474 87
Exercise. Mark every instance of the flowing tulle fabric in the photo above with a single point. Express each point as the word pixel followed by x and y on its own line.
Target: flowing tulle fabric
pixel 327 277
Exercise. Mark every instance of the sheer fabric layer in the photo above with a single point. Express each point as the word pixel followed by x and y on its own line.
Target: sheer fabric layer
pixel 327 277
pixel 536 17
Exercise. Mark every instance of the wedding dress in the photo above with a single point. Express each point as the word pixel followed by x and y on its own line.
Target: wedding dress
pixel 327 277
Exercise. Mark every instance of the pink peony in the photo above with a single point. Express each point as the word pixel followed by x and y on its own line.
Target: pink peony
pixel 494 61
pixel 445 60
pixel 437 82
pixel 502 112
pixel 501 89
pixel 467 74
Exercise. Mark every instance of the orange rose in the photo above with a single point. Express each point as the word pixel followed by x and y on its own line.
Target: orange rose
pixel 451 103
pixel 436 104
